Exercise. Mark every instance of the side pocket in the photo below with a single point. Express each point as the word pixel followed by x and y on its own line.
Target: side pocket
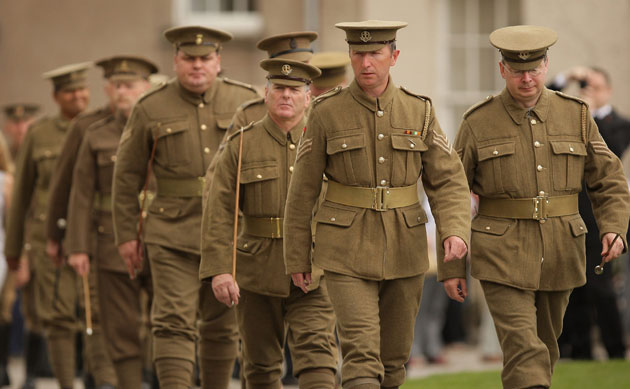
pixel 335 216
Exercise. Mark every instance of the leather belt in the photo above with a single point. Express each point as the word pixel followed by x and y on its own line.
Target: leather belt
pixel 535 208
pixel 264 227
pixel 180 187
pixel 380 198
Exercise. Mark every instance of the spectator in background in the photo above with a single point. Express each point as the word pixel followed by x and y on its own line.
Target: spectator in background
pixel 596 302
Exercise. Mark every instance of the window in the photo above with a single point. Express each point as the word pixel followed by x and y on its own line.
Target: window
pixel 240 17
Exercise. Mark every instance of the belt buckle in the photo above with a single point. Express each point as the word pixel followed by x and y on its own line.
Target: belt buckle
pixel 380 198
pixel 275 227
pixel 541 210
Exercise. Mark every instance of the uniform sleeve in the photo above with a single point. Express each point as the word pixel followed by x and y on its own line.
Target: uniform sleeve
pixel 238 120
pixel 447 190
pixel 61 182
pixel 217 223
pixel 23 189
pixel 606 186
pixel 79 229
pixel 466 150
pixel 130 171
pixel 304 190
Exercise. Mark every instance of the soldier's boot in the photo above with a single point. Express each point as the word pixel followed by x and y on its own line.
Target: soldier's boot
pixel 129 373
pixel 5 335
pixel 62 350
pixel 217 371
pixel 317 379
pixel 99 363
pixel 174 373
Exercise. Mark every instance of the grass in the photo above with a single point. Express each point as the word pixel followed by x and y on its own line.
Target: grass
pixel 567 375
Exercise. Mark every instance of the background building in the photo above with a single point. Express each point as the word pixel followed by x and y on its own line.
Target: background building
pixel 445 51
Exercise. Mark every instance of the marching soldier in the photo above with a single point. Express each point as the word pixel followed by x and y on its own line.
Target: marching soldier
pixel 268 305
pixel 18 119
pixel 54 294
pixel 333 65
pixel 175 131
pixel 374 141
pixel 90 220
pixel 526 153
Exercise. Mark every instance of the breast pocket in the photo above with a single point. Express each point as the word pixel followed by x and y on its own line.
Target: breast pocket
pixel 174 143
pixel 105 159
pixel 45 159
pixel 568 164
pixel 407 159
pixel 497 167
pixel 347 154
pixel 260 182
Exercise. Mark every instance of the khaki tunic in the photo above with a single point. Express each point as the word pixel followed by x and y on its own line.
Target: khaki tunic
pixel 508 152
pixel 250 111
pixel 358 140
pixel 61 180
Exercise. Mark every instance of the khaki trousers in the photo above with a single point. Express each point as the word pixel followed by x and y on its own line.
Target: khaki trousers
pixel 264 322
pixel 375 321
pixel 528 325
pixel 179 300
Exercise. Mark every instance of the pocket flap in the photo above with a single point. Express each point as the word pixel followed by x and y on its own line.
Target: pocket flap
pixel 268 171
pixel 578 227
pixel 490 226
pixel 494 151
pixel 564 147
pixel 344 143
pixel 415 216
pixel 408 143
pixel 224 120
pixel 335 216
pixel 46 153
pixel 171 128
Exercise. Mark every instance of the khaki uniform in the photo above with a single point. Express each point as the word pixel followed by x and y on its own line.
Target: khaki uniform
pixel 55 289
pixel 90 231
pixel 509 152
pixel 270 303
pixel 188 129
pixel 360 141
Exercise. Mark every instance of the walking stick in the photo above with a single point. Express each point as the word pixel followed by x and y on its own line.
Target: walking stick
pixel 599 269
pixel 88 309
pixel 238 193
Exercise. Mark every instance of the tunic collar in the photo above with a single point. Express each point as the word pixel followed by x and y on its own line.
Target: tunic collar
pixel 279 135
pixel 61 122
pixel 195 98
pixel 518 113
pixel 369 102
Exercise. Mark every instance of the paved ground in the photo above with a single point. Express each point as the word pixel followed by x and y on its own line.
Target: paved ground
pixel 458 358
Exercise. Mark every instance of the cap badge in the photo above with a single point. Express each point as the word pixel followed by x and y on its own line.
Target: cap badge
pixel 199 39
pixel 365 36
pixel 124 67
pixel 286 69
pixel 524 55
pixel 292 43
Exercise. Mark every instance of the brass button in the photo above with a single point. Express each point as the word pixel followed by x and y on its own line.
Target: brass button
pixel 411 145
pixel 203 127
pixel 42 216
pixel 380 136
pixel 291 169
pixel 380 114
pixel 201 105
pixel 206 150
pixel 161 210
pixel 542 221
pixel 259 176
pixel 332 219
pixel 537 144
pixel 381 160
pixel 344 146
pixel 101 229
pixel 495 152
pixel 533 121
pixel 571 149
pixel 581 228
pixel 47 153
pixel 169 130
pixel 539 168
pixel 383 182
pixel 292 146
pixel 541 193
pixel 113 157
pixel 144 214
pixel 27 246
pixel 488 228
pixel 245 245
pixel 418 218
pixel 61 223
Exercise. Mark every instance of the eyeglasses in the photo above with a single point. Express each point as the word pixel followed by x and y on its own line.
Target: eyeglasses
pixel 520 73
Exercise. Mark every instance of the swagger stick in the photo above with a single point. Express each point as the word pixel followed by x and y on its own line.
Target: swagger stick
pixel 88 308
pixel 238 193
pixel 599 269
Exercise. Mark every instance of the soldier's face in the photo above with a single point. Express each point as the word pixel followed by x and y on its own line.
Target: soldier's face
pixel 16 130
pixel 126 93
pixel 525 86
pixel 286 102
pixel 196 73
pixel 371 69
pixel 110 90
pixel 72 101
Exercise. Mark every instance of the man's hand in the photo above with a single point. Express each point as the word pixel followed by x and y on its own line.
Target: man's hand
pixel 54 250
pixel 80 262
pixel 23 272
pixel 226 289
pixel 302 280
pixel 610 253
pixel 131 253
pixel 454 248
pixel 13 263
pixel 456 289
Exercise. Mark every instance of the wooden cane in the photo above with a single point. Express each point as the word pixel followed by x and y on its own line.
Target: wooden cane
pixel 88 309
pixel 238 193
